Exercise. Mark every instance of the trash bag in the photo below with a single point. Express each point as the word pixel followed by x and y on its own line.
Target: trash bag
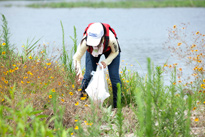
pixel 97 89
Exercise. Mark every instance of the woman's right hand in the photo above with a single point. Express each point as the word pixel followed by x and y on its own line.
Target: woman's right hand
pixel 80 78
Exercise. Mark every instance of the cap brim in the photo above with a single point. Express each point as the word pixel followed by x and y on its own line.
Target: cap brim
pixel 93 41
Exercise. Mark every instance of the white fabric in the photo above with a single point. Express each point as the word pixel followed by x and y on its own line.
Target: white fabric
pixel 97 50
pixel 97 89
pixel 95 33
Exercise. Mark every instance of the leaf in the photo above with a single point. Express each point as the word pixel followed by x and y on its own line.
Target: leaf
pixel 42 116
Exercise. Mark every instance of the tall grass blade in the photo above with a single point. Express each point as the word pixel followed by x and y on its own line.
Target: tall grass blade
pixel 64 57
pixel 119 111
pixel 149 128
pixel 140 112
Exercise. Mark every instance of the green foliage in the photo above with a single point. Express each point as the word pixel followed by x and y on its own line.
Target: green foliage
pixel 67 59
pixel 5 47
pixel 123 4
pixel 119 115
pixel 22 119
pixel 28 48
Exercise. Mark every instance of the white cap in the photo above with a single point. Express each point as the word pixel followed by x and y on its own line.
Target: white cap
pixel 95 33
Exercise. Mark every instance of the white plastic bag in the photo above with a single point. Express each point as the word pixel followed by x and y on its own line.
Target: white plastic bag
pixel 97 88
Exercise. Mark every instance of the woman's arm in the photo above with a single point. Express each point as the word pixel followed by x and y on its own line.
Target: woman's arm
pixel 78 55
pixel 114 49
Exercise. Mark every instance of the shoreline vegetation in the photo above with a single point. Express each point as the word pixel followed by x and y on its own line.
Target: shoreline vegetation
pixel 39 95
pixel 122 4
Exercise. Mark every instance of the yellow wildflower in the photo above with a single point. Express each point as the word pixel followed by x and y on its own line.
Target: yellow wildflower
pixel 48 64
pixel 179 44
pixel 71 93
pixel 73 86
pixel 76 128
pixel 77 103
pixel 50 96
pixel 22 82
pixel 83 98
pixel 53 90
pixel 194 45
pixel 174 26
pixel 196 119
pixel 3 44
pixel 197 32
pixel 204 80
pixel 30 57
pixel 80 89
pixel 2 100
pixel 194 108
pixel 3 53
pixel 6 81
pixel 71 134
pixel 180 69
pixel 62 100
pixel 174 83
pixel 76 120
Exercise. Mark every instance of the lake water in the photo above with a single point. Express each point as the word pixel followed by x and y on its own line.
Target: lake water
pixel 141 32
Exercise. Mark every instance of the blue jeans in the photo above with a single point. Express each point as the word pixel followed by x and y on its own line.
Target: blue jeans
pixel 113 68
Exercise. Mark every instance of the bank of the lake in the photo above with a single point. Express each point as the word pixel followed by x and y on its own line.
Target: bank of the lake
pixel 122 4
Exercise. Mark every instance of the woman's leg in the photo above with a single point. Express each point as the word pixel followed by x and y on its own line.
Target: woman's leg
pixel 114 76
pixel 90 65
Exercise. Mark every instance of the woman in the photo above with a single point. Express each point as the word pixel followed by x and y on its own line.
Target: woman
pixel 98 39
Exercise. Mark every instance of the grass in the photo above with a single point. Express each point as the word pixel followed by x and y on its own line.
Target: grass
pixel 123 4
pixel 39 96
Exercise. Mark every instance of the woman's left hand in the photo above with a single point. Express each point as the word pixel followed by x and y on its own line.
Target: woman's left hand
pixel 103 63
